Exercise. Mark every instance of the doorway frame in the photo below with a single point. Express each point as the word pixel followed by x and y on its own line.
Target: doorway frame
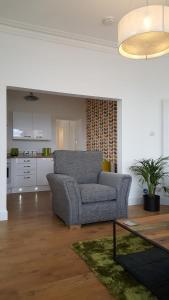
pixel 5 88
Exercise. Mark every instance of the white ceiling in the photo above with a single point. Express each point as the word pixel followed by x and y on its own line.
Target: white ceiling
pixel 77 18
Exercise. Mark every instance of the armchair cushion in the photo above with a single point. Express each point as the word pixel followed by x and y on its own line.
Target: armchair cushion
pixel 91 193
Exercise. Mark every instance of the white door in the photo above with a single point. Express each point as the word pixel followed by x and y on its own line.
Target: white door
pixel 72 135
pixel 66 135
pixel 41 126
pixel 22 125
pixel 80 136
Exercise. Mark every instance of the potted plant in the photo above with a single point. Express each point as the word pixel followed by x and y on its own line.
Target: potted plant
pixel 151 172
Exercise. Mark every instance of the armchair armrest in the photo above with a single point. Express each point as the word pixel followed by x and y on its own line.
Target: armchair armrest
pixel 122 183
pixel 66 197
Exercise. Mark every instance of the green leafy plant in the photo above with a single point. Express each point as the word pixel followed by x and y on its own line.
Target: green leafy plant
pixel 152 172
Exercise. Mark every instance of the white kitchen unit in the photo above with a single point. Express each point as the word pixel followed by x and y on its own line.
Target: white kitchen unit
pixel 31 126
pixel 22 126
pixel 44 166
pixel 23 174
pixel 29 174
pixel 41 126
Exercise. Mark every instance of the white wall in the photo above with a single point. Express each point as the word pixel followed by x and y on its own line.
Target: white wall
pixel 3 144
pixel 59 107
pixel 31 63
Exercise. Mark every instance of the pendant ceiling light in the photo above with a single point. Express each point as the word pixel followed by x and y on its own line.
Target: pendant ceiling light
pixel 31 97
pixel 144 32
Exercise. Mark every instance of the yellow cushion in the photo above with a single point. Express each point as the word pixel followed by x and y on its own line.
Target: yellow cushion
pixel 106 165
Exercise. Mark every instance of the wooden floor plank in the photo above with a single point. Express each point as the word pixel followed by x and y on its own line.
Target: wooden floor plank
pixel 36 256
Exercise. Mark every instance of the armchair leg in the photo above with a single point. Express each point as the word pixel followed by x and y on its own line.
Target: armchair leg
pixel 73 227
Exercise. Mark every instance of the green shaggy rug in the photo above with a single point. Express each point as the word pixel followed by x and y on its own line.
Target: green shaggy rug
pixel 98 255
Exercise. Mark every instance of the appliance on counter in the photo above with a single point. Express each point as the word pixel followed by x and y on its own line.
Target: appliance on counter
pixel 30 153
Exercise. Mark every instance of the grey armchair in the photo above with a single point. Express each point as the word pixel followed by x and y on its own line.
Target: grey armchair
pixel 82 193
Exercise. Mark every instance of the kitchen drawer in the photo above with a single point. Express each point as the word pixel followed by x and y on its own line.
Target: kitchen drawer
pixel 25 171
pixel 26 161
pixel 26 180
pixel 24 167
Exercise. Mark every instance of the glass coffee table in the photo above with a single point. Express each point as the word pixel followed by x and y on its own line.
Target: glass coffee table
pixel 149 267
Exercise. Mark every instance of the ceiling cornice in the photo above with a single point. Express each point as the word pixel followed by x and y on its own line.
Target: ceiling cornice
pixel 57 36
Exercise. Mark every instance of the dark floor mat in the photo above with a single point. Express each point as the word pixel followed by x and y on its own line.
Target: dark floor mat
pixel 151 268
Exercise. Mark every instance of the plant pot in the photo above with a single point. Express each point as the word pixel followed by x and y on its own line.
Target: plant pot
pixel 151 203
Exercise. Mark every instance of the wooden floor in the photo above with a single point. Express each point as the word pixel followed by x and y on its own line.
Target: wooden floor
pixel 36 259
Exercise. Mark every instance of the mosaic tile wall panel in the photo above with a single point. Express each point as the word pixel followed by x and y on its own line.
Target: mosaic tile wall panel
pixel 102 128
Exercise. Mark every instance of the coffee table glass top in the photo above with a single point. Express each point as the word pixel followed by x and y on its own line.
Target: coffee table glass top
pixel 153 228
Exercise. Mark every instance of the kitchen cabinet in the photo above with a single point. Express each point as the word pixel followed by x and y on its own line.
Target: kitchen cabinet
pixel 31 126
pixel 23 173
pixel 28 180
pixel 44 166
pixel 41 126
pixel 22 126
pixel 29 174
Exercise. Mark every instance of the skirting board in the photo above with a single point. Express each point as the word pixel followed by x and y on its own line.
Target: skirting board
pixel 135 201
pixel 3 215
pixel 164 200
